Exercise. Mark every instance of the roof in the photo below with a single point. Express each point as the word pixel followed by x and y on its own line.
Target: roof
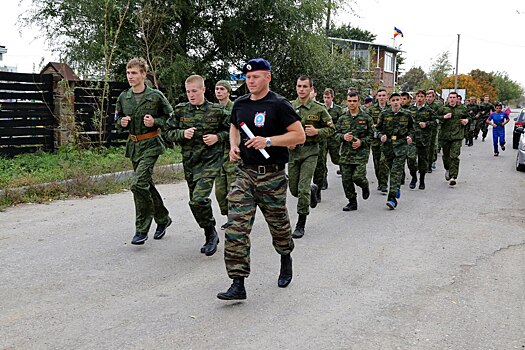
pixel 3 49
pixel 386 47
pixel 63 69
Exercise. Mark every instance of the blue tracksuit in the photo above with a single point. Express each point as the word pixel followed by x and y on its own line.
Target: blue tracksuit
pixel 498 132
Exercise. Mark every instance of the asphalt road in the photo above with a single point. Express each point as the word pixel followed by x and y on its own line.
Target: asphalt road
pixel 446 270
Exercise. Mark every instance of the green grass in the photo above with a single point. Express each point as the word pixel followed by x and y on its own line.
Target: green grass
pixel 75 165
pixel 68 163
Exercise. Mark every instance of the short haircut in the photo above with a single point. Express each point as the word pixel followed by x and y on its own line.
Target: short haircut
pixel 405 94
pixel 138 62
pixel 329 91
pixel 353 94
pixel 394 94
pixel 306 77
pixel 380 90
pixel 197 79
pixel 498 104
pixel 431 91
pixel 453 93
pixel 421 92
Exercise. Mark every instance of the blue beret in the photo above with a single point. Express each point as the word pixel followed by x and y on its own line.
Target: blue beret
pixel 368 99
pixel 256 64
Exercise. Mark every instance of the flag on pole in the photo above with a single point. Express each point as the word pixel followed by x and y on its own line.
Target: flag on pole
pixel 397 32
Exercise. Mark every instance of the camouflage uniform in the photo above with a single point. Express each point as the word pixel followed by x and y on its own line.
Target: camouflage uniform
pixel 484 112
pixel 434 137
pixel 451 137
pixel 202 163
pixel 470 128
pixel 396 127
pixel 380 167
pixel 224 180
pixel 144 153
pixel 328 145
pixel 353 161
pixel 303 158
pixel 422 138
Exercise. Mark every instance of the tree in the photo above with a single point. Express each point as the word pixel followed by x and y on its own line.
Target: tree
pixel 473 88
pixel 439 70
pixel 181 37
pixel 346 31
pixel 506 88
pixel 413 79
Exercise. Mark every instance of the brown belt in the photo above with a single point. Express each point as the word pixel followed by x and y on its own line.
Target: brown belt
pixel 146 136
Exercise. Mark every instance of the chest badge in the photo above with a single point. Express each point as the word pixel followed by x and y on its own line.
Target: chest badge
pixel 260 118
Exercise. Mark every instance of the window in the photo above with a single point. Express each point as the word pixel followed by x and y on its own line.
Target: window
pixel 389 62
pixel 362 58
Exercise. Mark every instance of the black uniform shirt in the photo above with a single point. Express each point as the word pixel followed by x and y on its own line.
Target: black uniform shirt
pixel 269 116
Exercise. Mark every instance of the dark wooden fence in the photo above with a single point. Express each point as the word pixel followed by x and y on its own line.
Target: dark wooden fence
pixel 95 114
pixel 26 113
pixel 33 112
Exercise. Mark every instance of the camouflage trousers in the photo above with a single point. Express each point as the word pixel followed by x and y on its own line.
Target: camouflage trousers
pixel 478 123
pixel 200 187
pixel 249 191
pixel 484 127
pixel 395 154
pixel 417 158
pixel 223 184
pixel 303 160
pixel 148 202
pixel 433 145
pixel 353 174
pixel 321 170
pixel 451 151
pixel 380 168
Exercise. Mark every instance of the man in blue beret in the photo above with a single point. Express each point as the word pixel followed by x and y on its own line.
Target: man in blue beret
pixel 261 181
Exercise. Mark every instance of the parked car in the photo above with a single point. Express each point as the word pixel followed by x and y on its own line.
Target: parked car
pixel 520 157
pixel 519 122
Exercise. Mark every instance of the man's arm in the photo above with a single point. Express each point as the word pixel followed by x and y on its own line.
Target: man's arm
pixel 235 138
pixel 294 136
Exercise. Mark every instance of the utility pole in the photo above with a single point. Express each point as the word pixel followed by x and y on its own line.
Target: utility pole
pixel 457 63
pixel 328 18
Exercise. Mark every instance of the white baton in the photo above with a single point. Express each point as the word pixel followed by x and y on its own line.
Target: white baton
pixel 249 133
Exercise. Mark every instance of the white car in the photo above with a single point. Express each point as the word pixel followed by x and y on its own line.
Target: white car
pixel 520 157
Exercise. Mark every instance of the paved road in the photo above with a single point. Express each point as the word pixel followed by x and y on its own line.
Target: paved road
pixel 446 270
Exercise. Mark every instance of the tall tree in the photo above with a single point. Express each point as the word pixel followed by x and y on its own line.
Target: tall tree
pixel 346 31
pixel 439 70
pixel 413 79
pixel 506 88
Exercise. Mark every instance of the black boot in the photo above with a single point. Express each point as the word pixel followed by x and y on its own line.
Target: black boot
pixel 285 276
pixel 365 191
pixel 299 228
pixel 212 239
pixel 318 194
pixel 413 182
pixel 470 142
pixel 421 180
pixel 352 205
pixel 313 195
pixel 235 292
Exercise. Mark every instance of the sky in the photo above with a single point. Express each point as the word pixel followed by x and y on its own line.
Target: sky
pixel 492 33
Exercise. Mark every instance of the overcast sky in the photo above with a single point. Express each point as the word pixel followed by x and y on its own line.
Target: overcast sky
pixel 492 33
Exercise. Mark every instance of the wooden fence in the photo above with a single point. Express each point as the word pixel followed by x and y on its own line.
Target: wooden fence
pixel 40 112
pixel 26 113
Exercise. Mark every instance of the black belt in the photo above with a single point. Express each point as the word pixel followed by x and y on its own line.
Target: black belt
pixel 264 169
pixel 309 143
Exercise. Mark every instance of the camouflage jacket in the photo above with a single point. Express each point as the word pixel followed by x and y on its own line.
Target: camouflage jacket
pixel 335 112
pixel 473 110
pixel 396 126
pixel 426 115
pixel 315 113
pixel 452 129
pixel 209 118
pixel 361 127
pixel 153 102
pixel 485 109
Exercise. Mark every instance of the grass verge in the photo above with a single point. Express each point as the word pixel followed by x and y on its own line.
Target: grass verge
pixel 67 174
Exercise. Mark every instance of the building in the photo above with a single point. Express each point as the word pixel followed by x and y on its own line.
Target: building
pixel 4 68
pixel 379 60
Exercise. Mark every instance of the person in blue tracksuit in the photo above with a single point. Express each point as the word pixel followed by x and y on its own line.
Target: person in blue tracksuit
pixel 498 120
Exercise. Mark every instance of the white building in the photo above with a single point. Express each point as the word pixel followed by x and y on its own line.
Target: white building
pixel 3 67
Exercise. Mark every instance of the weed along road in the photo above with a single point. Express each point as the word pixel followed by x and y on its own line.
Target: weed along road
pixel 445 270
